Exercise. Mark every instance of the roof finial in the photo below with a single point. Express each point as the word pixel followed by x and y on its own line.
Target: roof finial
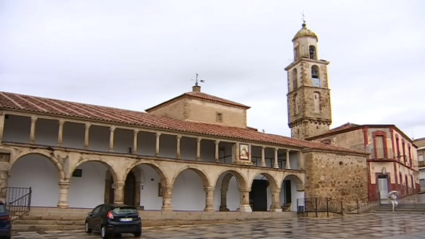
pixel 304 25
pixel 197 88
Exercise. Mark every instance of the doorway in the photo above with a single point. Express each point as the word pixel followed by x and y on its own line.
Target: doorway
pixel 258 195
pixel 129 190
pixel 287 191
pixel 383 186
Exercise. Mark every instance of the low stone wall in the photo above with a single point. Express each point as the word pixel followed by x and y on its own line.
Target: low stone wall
pixel 157 216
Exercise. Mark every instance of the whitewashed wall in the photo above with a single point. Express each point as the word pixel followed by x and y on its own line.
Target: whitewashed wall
pixel 149 192
pixel 88 191
pixel 233 196
pixel 39 173
pixel 188 192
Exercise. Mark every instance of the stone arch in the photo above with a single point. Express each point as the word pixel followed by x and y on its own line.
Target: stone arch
pixel 229 174
pixel 114 174
pixel 201 173
pixel 270 178
pixel 52 159
pixel 156 167
pixel 298 182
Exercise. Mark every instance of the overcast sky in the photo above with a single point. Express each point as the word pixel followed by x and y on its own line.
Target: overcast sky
pixel 136 54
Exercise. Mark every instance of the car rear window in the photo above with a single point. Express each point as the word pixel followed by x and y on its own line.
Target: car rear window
pixel 124 210
pixel 2 208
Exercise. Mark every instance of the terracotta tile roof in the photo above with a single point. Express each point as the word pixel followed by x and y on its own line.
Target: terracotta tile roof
pixel 201 96
pixel 60 108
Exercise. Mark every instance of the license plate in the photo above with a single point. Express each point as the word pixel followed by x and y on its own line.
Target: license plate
pixel 126 219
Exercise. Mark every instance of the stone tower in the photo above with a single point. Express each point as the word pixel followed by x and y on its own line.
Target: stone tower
pixel 309 103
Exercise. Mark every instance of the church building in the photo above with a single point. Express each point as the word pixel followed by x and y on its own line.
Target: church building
pixel 194 152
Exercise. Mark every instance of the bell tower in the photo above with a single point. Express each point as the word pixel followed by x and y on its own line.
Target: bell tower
pixel 309 101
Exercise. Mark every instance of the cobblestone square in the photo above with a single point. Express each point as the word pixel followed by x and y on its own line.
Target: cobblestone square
pixel 372 225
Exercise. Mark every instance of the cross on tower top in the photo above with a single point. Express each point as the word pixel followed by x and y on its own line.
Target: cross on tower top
pixel 196 87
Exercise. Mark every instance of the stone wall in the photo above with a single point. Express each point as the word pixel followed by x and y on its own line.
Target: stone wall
pixel 350 140
pixel 337 176
pixel 4 169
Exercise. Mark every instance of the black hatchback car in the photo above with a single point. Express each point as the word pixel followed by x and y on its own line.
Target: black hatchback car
pixel 114 219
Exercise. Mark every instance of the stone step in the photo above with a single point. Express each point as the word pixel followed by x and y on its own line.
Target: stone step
pixel 43 228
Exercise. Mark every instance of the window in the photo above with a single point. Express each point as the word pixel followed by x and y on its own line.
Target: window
pixel 421 157
pixel 398 147
pixel 295 79
pixel 297 104
pixel 404 151
pixel 312 51
pixel 380 147
pixel 219 117
pixel 316 102
pixel 315 71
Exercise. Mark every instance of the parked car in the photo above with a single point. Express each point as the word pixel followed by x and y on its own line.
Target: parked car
pixel 5 222
pixel 114 219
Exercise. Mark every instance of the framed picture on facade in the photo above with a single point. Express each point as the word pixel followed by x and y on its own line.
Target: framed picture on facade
pixel 244 151
pixel 159 190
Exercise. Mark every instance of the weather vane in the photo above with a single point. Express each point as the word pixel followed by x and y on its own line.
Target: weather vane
pixel 196 81
pixel 302 14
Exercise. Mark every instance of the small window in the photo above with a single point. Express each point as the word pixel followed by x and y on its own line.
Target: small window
pixel 312 51
pixel 78 173
pixel 326 141
pixel 315 71
pixel 421 158
pixel 219 117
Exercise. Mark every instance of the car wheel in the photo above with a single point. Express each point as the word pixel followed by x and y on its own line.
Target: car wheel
pixel 88 230
pixel 137 234
pixel 103 233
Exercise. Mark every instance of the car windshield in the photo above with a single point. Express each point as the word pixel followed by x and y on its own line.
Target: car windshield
pixel 124 210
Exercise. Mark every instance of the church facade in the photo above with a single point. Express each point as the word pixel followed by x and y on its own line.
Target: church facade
pixel 194 152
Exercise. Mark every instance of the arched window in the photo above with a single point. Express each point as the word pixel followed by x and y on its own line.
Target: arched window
pixel 316 102
pixel 297 104
pixel 315 71
pixel 295 79
pixel 312 51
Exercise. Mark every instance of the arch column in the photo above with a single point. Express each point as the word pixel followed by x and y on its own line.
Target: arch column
pixel 275 165
pixel 111 138
pixel 216 156
pixel 198 149
pixel 2 117
pixel 209 199
pixel 60 132
pixel 158 135
pixel 167 195
pixel 86 136
pixel 288 164
pixel 63 193
pixel 119 192
pixel 275 207
pixel 223 204
pixel 263 157
pixel 178 146
pixel 135 148
pixel 245 207
pixel 32 130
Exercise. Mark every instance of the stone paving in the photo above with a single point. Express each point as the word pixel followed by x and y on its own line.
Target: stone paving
pixel 371 225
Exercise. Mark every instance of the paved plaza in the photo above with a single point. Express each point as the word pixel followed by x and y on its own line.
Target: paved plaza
pixel 372 225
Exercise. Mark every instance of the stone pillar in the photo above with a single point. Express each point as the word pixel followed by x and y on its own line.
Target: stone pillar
pixel 60 132
pixel 275 207
pixel 275 165
pixel 301 162
pixel 245 207
pixel 2 118
pixel 135 144
pixel 166 198
pixel 288 164
pixel 198 149
pixel 158 137
pixel 178 146
pixel 63 193
pixel 4 172
pixel 119 192
pixel 263 157
pixel 223 204
pixel 32 131
pixel 216 156
pixel 86 136
pixel 111 138
pixel 209 199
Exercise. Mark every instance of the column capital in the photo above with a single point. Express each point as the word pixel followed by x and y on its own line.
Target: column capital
pixel 276 190
pixel 64 184
pixel 113 128
pixel 244 190
pixel 198 139
pixel 33 118
pixel 179 137
pixel 61 121
pixel 217 141
pixel 276 149
pixel 88 125
pixel 208 188
pixel 158 134
pixel 136 131
pixel 263 147
pixel 119 184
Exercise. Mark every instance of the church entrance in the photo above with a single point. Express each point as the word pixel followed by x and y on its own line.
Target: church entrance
pixel 129 190
pixel 258 195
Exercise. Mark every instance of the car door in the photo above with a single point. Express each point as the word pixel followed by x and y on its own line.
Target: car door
pixel 93 220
